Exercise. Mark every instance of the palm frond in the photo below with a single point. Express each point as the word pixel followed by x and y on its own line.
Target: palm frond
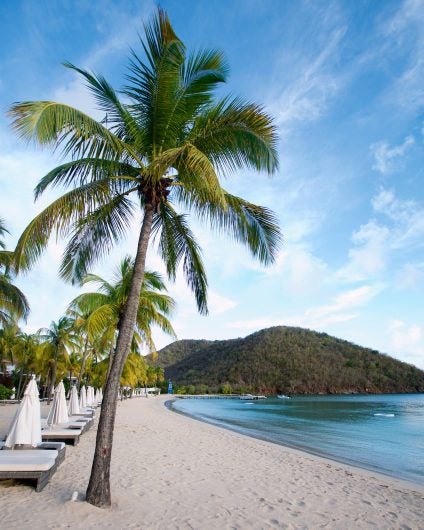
pixel 119 176
pixel 94 235
pixel 247 223
pixel 58 218
pixel 233 134
pixel 176 243
pixel 59 125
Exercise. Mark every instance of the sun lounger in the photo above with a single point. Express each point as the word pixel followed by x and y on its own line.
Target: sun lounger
pixel 31 464
pixel 58 447
pixel 67 435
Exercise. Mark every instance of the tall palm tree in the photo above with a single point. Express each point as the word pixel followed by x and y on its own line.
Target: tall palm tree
pixel 166 146
pixel 13 303
pixel 58 340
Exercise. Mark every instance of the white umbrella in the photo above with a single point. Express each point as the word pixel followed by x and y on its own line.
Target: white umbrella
pixel 74 407
pixel 89 396
pixel 83 398
pixel 97 396
pixel 101 395
pixel 58 411
pixel 26 425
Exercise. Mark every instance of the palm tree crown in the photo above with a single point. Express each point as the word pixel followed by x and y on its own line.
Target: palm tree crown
pixel 168 145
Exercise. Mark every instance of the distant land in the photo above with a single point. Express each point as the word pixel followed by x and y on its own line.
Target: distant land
pixel 284 360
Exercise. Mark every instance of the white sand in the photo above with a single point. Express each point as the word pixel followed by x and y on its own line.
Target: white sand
pixel 170 471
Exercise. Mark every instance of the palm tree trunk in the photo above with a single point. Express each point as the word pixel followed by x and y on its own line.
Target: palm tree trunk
pixel 98 491
pixel 53 379
pixel 83 362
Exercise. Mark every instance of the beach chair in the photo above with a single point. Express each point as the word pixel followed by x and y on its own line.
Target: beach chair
pixel 31 464
pixel 69 434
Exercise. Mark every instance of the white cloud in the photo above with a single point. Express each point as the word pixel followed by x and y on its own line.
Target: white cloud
pixel 386 157
pixel 343 308
pixel 306 98
pixel 219 304
pixel 377 242
pixel 405 31
pixel 407 341
pixel 407 217
pixel 369 255
pixel 410 275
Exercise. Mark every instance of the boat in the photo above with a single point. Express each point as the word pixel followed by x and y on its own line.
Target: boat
pixel 251 396
pixel 283 396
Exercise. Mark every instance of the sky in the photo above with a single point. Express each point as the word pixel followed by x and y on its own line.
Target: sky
pixel 344 82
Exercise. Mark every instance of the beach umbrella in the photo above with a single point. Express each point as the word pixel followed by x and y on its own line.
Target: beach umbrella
pixel 90 401
pixel 74 407
pixel 83 398
pixel 26 425
pixel 97 396
pixel 101 395
pixel 58 411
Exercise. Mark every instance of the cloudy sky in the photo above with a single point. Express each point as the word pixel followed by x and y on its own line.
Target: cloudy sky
pixel 345 83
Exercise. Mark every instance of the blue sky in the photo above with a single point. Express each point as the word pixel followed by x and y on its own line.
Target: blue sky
pixel 345 83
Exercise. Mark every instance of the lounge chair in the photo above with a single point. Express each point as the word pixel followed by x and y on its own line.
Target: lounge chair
pixel 32 464
pixel 63 434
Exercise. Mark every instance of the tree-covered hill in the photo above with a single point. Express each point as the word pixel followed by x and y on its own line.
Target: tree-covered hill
pixel 285 360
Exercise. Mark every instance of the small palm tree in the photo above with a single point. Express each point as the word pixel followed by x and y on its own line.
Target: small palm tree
pixel 25 354
pixel 164 148
pixel 13 303
pixel 57 341
pixel 105 308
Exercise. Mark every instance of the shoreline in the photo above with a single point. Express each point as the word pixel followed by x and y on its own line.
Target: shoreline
pixel 170 471
pixel 326 457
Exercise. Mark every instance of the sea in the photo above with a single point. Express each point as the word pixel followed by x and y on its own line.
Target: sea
pixel 383 433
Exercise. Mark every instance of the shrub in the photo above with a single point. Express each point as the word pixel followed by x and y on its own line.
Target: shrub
pixel 5 392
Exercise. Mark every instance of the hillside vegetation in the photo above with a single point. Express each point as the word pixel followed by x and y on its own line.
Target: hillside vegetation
pixel 284 360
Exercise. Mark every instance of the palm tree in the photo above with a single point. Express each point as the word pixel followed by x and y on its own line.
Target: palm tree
pixel 167 145
pixel 24 355
pixel 105 308
pixel 58 340
pixel 13 304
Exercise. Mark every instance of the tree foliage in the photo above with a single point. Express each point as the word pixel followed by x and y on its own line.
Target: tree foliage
pixel 286 360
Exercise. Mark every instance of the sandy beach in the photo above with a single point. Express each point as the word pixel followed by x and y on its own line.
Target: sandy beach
pixel 170 471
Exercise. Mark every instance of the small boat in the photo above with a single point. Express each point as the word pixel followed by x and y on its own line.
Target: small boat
pixel 251 396
pixel 283 396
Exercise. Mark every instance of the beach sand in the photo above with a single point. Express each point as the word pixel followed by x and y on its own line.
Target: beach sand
pixel 170 471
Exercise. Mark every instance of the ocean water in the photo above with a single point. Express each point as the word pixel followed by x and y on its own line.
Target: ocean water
pixel 383 433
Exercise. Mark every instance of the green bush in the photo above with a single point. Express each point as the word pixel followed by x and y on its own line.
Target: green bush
pixel 5 392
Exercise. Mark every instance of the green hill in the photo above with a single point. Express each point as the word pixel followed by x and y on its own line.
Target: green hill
pixel 285 360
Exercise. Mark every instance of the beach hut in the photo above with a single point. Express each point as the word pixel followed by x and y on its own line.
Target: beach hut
pixel 58 411
pixel 26 424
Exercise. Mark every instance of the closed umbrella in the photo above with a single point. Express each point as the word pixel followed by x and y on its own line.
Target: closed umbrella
pixel 74 407
pixel 58 412
pixel 93 398
pixel 26 425
pixel 83 398
pixel 97 396
pixel 89 397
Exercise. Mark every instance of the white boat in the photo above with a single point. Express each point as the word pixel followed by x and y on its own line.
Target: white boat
pixel 283 396
pixel 251 396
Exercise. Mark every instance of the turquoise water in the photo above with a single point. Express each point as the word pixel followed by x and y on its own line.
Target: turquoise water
pixel 384 433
